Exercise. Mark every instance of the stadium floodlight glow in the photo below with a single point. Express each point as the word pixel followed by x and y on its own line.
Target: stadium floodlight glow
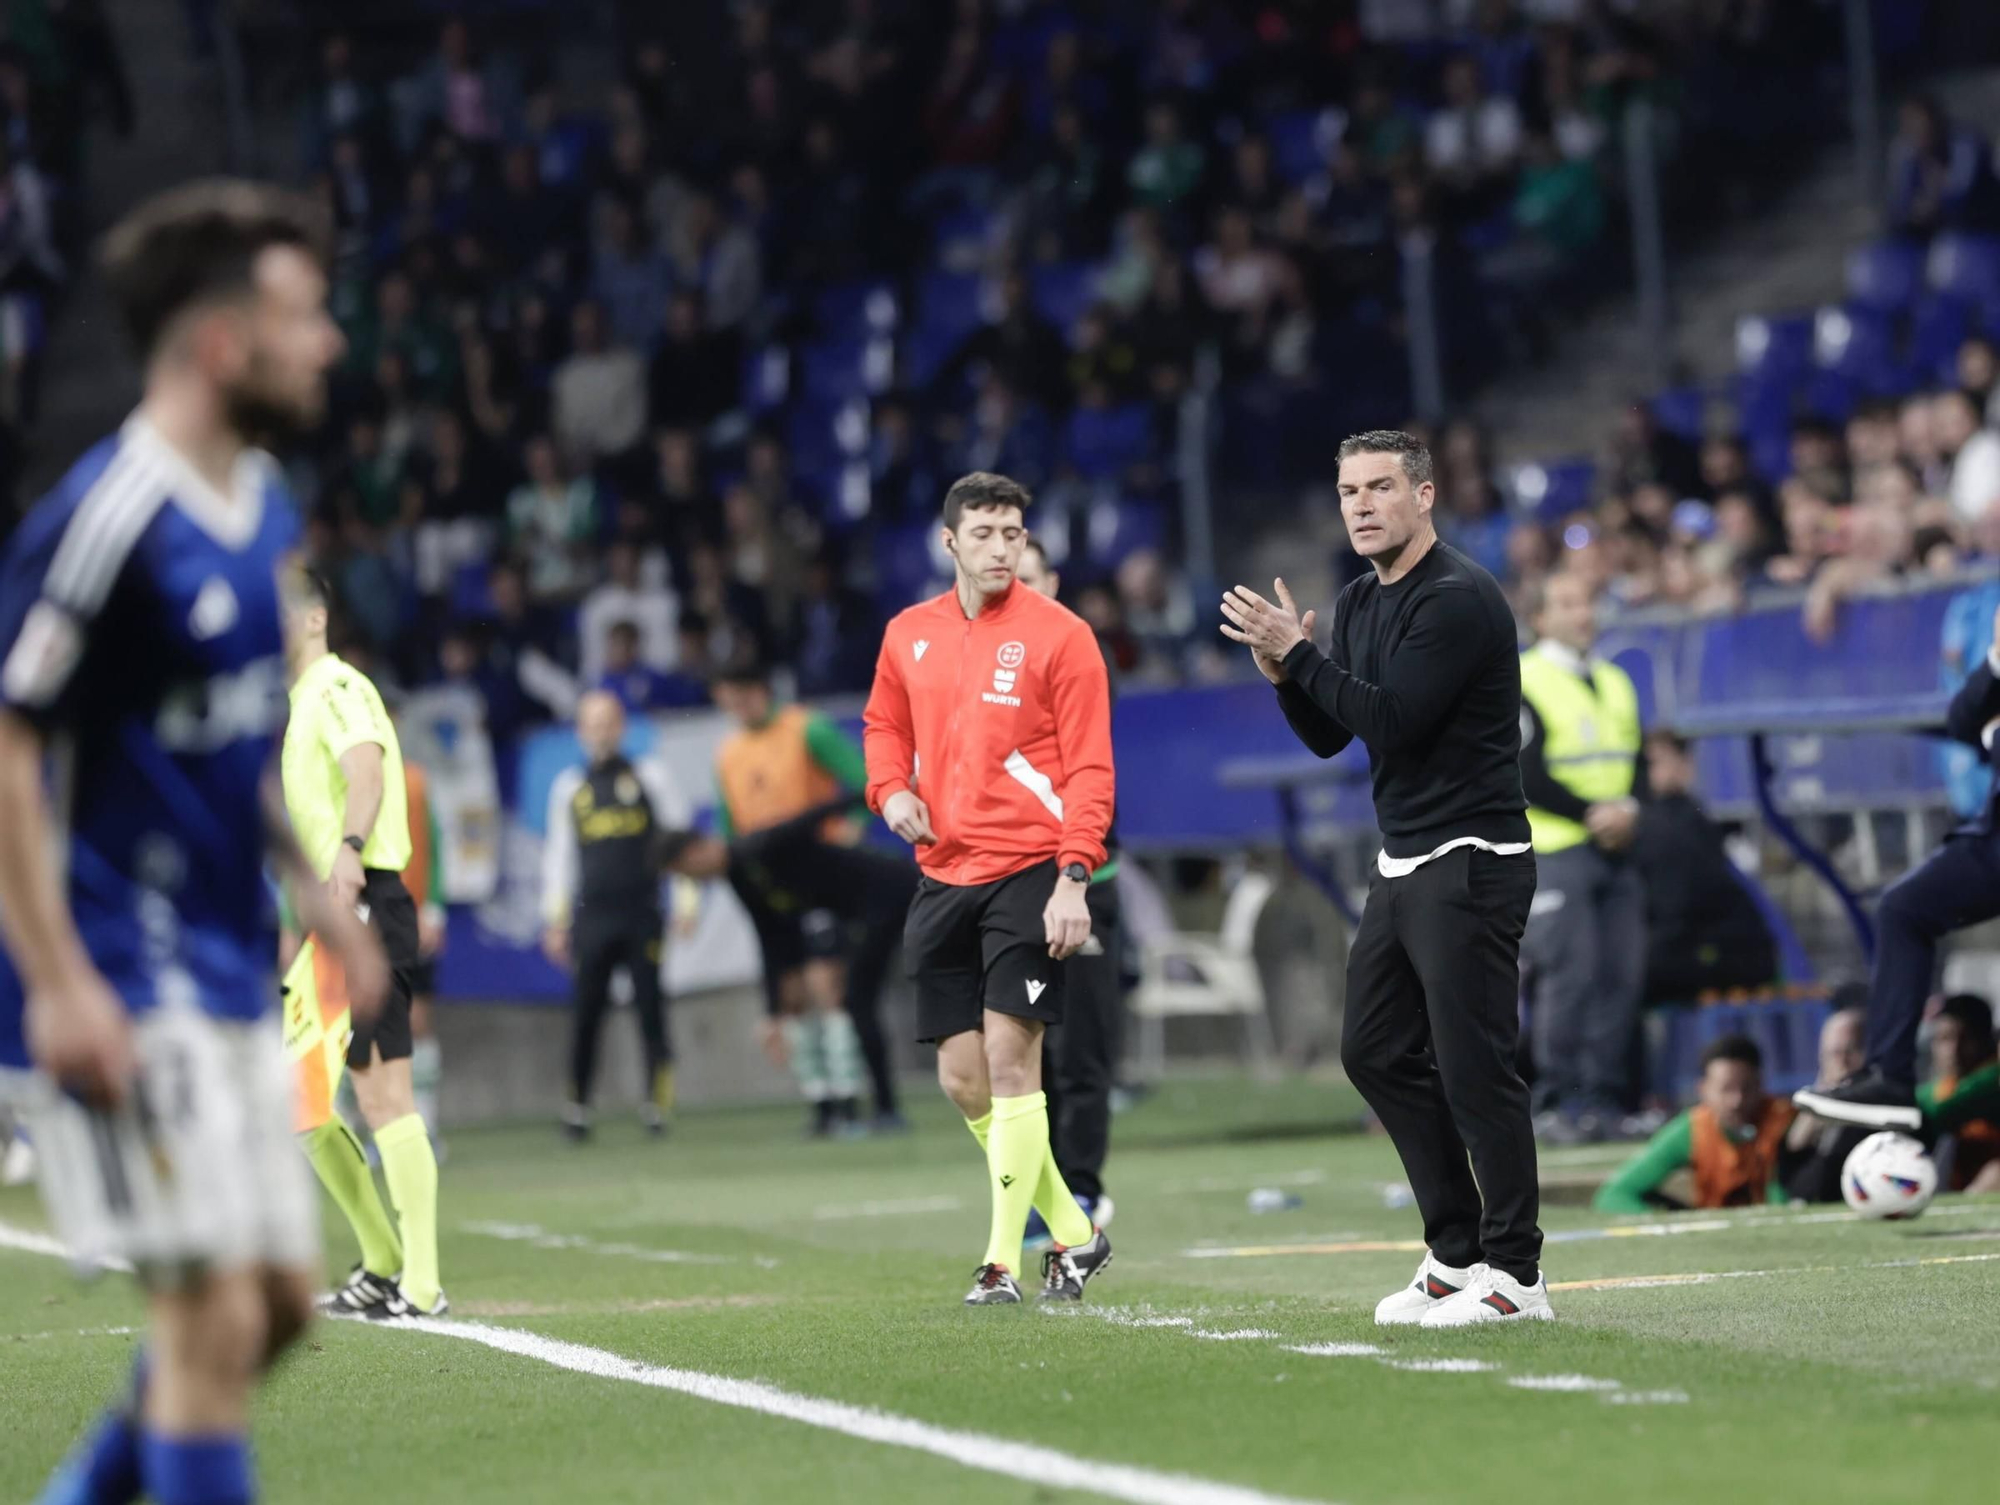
pixel 1531 484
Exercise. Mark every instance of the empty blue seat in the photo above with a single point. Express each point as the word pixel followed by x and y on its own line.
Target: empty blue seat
pixel 1682 411
pixel 1774 348
pixel 1937 329
pixel 907 564
pixel 1103 442
pixel 1886 276
pixel 1554 488
pixel 1295 137
pixel 855 310
pixel 1063 290
pixel 837 371
pixel 1966 266
pixel 1118 527
pixel 767 378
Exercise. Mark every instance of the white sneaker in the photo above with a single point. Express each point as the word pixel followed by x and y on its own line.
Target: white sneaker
pixel 1435 1282
pixel 1492 1296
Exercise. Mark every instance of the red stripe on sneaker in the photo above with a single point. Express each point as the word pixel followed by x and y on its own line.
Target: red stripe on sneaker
pixel 1502 1305
pixel 1437 1288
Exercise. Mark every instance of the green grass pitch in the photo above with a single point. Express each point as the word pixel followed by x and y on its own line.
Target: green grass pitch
pixel 1795 1357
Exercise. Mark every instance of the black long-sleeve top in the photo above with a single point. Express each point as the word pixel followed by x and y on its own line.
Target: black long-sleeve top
pixel 1976 703
pixel 1427 673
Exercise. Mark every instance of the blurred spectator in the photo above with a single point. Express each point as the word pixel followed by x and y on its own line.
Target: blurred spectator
pixel 1726 1151
pixel 1971 451
pixel 1475 137
pixel 1962 1098
pixel 837 633
pixel 630 280
pixel 1157 608
pixel 1642 452
pixel 598 394
pixel 1818 1150
pixel 340 102
pixel 552 521
pixel 718 259
pixel 1168 168
pixel 625 597
pixel 473 96
pixel 1584 773
pixel 1936 170
pixel 693 375
pixel 1703 933
pixel 639 686
pixel 1020 347
pixel 970 115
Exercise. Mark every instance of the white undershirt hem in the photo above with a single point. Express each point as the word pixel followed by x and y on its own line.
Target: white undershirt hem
pixel 1402 867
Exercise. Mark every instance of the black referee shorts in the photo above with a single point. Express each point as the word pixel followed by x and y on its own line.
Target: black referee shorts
pixel 392 915
pixel 982 946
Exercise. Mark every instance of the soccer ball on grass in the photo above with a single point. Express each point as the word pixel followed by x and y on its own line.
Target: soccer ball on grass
pixel 1888 1175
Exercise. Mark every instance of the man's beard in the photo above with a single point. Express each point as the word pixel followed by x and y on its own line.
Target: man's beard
pixel 260 416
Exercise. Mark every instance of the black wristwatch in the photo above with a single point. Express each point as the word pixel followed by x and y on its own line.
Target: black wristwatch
pixel 1076 872
pixel 357 842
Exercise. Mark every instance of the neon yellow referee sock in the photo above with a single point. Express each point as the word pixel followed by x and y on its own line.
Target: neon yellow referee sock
pixel 337 1157
pixel 1069 1224
pixel 1016 1146
pixel 981 1127
pixel 412 1173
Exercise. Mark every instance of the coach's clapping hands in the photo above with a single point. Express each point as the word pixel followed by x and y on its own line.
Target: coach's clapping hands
pixel 1270 631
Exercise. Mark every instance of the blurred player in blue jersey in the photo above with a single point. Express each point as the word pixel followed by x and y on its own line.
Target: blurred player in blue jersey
pixel 142 693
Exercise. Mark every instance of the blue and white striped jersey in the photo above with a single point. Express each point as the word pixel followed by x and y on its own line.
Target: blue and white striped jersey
pixel 140 629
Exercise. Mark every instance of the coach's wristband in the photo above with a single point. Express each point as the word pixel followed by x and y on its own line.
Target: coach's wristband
pixel 357 842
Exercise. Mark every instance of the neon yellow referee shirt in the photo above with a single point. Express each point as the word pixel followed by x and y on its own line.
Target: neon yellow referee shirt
pixel 336 707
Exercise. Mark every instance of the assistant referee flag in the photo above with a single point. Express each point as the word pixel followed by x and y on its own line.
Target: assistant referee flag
pixel 336 707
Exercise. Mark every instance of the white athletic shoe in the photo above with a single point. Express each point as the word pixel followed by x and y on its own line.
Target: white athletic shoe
pixel 1493 1296
pixel 1435 1282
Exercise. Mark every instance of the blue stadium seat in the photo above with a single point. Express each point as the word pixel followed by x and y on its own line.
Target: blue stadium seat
pixel 1885 276
pixel 1295 143
pixel 1554 488
pixel 1938 327
pixel 1118 527
pixel 1103 442
pixel 1682 411
pixel 1063 290
pixel 844 369
pixel 767 378
pixel 1966 266
pixel 855 310
pixel 1775 348
pixel 907 565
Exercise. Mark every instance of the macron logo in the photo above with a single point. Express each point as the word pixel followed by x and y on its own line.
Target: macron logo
pixel 1035 990
pixel 921 645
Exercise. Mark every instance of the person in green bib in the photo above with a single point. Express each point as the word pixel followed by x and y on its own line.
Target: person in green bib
pixel 1583 770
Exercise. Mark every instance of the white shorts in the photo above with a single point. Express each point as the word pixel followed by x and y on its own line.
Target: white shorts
pixel 198 1170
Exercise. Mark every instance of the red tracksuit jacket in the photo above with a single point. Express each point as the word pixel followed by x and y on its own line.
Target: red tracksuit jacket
pixel 1002 726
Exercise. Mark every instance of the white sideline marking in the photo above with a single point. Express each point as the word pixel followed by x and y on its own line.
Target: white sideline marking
pixel 1234 1335
pixel 994 1455
pixel 74 1332
pixel 1646 1398
pixel 1335 1350
pixel 1564 1382
pixel 542 1238
pixel 1235 1183
pixel 1025 1461
pixel 29 1242
pixel 1444 1366
pixel 891 1209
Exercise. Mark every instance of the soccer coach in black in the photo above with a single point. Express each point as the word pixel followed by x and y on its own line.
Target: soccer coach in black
pixel 1425 670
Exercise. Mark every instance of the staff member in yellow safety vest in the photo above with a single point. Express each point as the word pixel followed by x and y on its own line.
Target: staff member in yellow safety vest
pixel 1583 770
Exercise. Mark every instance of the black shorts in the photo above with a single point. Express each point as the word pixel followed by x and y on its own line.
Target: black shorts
pixel 983 946
pixel 392 915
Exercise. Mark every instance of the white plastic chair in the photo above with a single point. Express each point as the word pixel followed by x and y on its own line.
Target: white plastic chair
pixel 1186 974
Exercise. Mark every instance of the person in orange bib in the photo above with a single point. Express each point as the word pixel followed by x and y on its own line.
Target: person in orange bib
pixel 1726 1151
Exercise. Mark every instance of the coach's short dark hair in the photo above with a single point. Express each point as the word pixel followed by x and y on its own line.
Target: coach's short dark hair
pixel 1411 450
pixel 1733 1048
pixel 199 243
pixel 983 491
pixel 1667 737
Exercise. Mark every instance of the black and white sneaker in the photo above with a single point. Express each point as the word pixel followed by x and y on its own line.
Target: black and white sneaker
pixel 395 1305
pixel 1867 1099
pixel 1065 1272
pixel 360 1292
pixel 993 1286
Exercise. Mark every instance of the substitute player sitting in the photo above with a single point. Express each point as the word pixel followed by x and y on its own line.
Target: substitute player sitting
pixel 142 655
pixel 988 742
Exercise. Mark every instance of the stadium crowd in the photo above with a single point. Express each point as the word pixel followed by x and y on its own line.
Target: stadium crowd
pixel 610 363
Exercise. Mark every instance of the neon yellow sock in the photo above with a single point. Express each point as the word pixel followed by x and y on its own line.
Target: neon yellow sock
pixel 1069 1224
pixel 1016 1145
pixel 981 1127
pixel 337 1157
pixel 412 1173
pixel 663 1089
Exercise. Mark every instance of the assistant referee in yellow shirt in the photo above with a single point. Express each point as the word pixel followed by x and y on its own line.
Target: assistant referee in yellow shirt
pixel 344 788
